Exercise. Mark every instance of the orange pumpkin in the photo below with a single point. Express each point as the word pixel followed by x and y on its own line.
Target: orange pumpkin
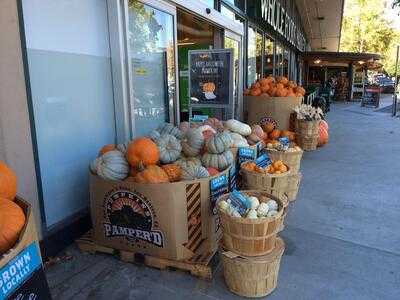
pixel 272 91
pixel 280 86
pixel 173 171
pixel 282 79
pixel 324 124
pixel 265 88
pixel 152 174
pixel 276 133
pixel 12 220
pixel 8 182
pixel 300 90
pixel 212 171
pixel 323 135
pixel 255 91
pixel 256 85
pixel 249 166
pixel 268 127
pixel 142 152
pixel 264 81
pixel 106 148
pixel 287 133
pixel 281 92
pixel 291 84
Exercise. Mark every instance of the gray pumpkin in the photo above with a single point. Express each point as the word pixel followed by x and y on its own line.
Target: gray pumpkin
pixel 192 142
pixel 122 147
pixel 184 162
pixel 154 135
pixel 194 172
pixel 168 128
pixel 219 143
pixel 169 147
pixel 111 166
pixel 218 161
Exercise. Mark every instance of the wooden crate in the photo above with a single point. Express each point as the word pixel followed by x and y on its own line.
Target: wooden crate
pixel 252 237
pixel 200 265
pixel 252 276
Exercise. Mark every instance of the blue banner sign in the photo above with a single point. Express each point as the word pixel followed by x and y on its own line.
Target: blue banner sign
pixel 218 187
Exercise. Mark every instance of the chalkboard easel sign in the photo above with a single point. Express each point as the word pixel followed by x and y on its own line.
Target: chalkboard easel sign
pixel 211 80
pixel 371 96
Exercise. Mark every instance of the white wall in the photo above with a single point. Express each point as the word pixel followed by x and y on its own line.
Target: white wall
pixel 15 136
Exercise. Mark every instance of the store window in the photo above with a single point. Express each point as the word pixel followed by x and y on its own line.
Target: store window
pixel 254 55
pixel 151 49
pixel 268 56
pixel 285 62
pixel 240 4
pixel 278 60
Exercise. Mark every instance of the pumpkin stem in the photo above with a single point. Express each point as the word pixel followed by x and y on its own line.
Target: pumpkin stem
pixel 141 167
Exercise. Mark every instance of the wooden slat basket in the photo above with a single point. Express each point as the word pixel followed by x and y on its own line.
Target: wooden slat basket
pixel 307 143
pixel 253 276
pixel 293 187
pixel 252 237
pixel 291 159
pixel 274 184
pixel 307 128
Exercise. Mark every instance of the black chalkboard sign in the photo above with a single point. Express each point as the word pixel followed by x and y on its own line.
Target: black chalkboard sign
pixel 211 78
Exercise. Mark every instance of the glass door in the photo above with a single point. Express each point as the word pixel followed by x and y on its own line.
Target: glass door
pixel 151 53
pixel 234 41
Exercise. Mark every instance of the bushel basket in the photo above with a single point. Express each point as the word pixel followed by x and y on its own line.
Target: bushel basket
pixel 290 158
pixel 307 143
pixel 307 128
pixel 252 237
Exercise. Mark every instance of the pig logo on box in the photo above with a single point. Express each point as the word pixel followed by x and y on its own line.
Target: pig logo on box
pixel 130 215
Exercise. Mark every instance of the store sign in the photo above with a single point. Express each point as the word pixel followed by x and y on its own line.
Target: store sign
pixel 275 15
pixel 211 77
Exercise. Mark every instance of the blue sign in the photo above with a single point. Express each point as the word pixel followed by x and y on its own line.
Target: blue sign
pixel 218 187
pixel 284 141
pixel 233 178
pixel 19 269
pixel 239 202
pixel 246 153
pixel 263 161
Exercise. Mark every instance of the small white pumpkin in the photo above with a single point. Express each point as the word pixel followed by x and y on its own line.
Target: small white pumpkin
pixel 238 127
pixel 252 214
pixel 262 209
pixel 219 143
pixel 218 161
pixel 238 140
pixel 112 166
pixel 169 148
pixel 192 142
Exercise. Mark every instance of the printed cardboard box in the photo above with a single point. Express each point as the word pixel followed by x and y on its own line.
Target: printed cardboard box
pixel 21 265
pixel 276 109
pixel 168 220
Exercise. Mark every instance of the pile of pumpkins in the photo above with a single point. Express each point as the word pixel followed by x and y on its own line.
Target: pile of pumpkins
pixel 275 87
pixel 12 217
pixel 171 154
pixel 276 167
pixel 323 133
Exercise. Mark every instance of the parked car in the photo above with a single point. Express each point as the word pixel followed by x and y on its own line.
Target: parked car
pixel 385 83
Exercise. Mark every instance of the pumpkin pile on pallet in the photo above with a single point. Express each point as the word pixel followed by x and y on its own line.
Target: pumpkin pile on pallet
pixel 278 86
pixel 251 249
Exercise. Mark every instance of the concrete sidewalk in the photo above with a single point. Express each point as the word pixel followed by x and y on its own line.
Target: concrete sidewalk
pixel 342 235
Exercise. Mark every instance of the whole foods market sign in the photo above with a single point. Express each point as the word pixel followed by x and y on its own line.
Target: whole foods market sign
pixel 278 18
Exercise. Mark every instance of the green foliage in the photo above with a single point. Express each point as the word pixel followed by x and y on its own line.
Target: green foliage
pixel 365 29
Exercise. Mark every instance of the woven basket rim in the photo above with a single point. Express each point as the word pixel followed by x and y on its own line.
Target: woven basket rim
pixel 286 152
pixel 287 173
pixel 282 204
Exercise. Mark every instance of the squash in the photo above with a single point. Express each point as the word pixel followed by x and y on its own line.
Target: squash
pixel 106 148
pixel 12 221
pixel 8 182
pixel 301 91
pixel 275 134
pixel 219 143
pixel 169 148
pixel 212 171
pixel 192 142
pixel 154 135
pixel 93 165
pixel 323 135
pixel 173 171
pixel 112 166
pixel 268 127
pixel 188 161
pixel 122 147
pixel 168 128
pixel 151 174
pixel 255 91
pixel 217 161
pixel 258 131
pixel 282 79
pixel 324 124
pixel 194 172
pixel 281 92
pixel 214 123
pixel 253 139
pixel 207 131
pixel 248 166
pixel 142 152
pixel 238 140
pixel 238 127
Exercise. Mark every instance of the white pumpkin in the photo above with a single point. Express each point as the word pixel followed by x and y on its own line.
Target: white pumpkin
pixel 184 162
pixel 112 166
pixel 192 142
pixel 218 161
pixel 219 143
pixel 194 172
pixel 169 148
pixel 238 140
pixel 238 127
pixel 168 128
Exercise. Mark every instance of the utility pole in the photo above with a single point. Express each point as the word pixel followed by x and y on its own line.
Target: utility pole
pixel 394 111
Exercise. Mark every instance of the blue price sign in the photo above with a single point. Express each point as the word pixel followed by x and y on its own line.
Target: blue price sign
pixel 246 153
pixel 240 202
pixel 263 161
pixel 218 187
pixel 233 178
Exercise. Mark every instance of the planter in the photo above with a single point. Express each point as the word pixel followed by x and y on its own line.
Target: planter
pixel 253 276
pixel 252 237
pixel 291 159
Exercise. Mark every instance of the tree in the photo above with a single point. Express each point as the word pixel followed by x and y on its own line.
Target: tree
pixel 365 29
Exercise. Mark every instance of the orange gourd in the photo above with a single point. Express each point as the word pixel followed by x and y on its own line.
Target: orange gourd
pixel 281 92
pixel 12 220
pixel 272 91
pixel 106 148
pixel 323 135
pixel 152 174
pixel 173 171
pixel 255 91
pixel 291 84
pixel 8 182
pixel 287 133
pixel 256 85
pixel 300 90
pixel 249 166
pixel 324 124
pixel 276 133
pixel 282 79
pixel 265 88
pixel 268 127
pixel 142 152
pixel 280 86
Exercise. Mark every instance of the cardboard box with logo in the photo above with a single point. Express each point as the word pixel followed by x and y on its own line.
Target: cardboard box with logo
pixel 167 220
pixel 276 109
pixel 21 270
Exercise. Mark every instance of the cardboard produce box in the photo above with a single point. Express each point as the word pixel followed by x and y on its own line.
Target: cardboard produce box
pixel 276 109
pixel 21 270
pixel 167 220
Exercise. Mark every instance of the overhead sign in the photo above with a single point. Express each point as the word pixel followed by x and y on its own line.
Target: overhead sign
pixel 211 77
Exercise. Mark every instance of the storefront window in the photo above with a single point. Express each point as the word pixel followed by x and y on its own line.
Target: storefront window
pixel 151 48
pixel 237 3
pixel 268 56
pixel 285 62
pixel 278 60
pixel 254 55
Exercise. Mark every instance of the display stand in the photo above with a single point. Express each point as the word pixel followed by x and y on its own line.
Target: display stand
pixel 371 96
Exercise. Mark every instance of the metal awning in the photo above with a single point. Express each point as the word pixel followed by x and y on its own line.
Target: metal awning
pixel 322 21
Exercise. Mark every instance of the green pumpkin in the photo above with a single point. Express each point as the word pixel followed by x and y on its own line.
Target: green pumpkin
pixel 218 161
pixel 192 142
pixel 219 143
pixel 169 147
pixel 188 161
pixel 194 172
pixel 168 128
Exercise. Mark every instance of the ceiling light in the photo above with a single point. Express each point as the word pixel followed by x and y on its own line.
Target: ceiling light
pixel 317 61
pixel 361 62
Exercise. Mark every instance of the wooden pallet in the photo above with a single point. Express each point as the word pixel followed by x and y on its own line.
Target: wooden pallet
pixel 201 266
